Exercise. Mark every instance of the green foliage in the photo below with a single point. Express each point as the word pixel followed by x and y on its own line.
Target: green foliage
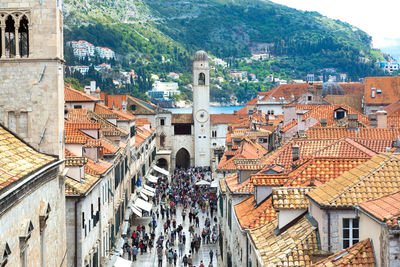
pixel 159 36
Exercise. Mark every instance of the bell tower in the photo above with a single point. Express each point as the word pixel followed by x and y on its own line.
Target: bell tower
pixel 31 72
pixel 201 103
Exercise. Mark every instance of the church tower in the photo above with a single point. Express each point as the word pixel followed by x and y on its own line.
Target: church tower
pixel 31 72
pixel 201 103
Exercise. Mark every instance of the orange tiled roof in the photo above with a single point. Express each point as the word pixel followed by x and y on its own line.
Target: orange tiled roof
pixel 317 171
pixel 353 101
pixel 301 106
pixel 371 180
pixel 362 133
pixel 17 159
pixel 76 188
pixel 390 87
pixel 289 126
pixel 251 216
pixel 393 109
pixel 72 95
pixel 293 247
pixel 115 101
pixel 359 254
pixel 352 88
pixel 224 118
pixel 386 209
pixel 290 197
pixel 288 91
pixel 309 148
pixel 236 187
pixel 243 110
pixel 97 168
pixel 327 112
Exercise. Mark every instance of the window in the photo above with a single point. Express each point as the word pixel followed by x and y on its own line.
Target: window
pixel 183 129
pixel 351 233
pixel 23 37
pixel 202 79
pixel 270 112
pixel 162 122
pixel 133 131
pixel 339 114
pixel 10 38
pixel 132 107
pixel 309 98
pixel 214 133
pixel 83 220
pixel 77 106
pixel 379 91
pixel 4 253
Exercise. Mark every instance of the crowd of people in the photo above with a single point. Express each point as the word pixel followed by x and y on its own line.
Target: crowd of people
pixel 178 194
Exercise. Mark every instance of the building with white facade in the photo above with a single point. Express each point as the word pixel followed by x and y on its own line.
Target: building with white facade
pixel 164 89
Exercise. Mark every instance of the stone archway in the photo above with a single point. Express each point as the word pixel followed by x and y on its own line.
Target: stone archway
pixel 162 163
pixel 182 159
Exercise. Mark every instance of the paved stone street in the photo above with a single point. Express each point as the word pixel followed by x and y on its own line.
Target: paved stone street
pixel 150 258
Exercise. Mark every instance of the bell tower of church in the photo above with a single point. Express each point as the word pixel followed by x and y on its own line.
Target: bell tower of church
pixel 31 72
pixel 201 103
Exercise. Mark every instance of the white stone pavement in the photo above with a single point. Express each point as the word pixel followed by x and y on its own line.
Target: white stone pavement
pixel 150 258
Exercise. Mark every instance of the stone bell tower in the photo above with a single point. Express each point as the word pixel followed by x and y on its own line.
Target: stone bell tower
pixel 201 104
pixel 31 72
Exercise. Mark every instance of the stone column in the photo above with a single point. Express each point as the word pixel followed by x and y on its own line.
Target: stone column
pixel 3 41
pixel 16 39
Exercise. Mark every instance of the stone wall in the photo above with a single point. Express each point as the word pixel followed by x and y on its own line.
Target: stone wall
pixel 28 209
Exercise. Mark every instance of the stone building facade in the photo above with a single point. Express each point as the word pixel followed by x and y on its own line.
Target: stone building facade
pixel 31 71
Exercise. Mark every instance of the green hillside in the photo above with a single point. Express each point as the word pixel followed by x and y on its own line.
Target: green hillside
pixel 159 36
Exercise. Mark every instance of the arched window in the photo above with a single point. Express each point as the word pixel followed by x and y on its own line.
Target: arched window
pixel 202 79
pixel 10 37
pixel 23 37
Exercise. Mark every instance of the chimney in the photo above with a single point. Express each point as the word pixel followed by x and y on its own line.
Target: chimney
pixel 353 120
pixel 92 86
pixel 323 122
pixel 87 90
pixel 373 91
pixel 300 124
pixel 381 118
pixel 319 89
pixel 295 152
pixel 124 105
pixel 372 120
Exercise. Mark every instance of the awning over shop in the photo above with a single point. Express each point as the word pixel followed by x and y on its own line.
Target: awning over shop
pixel 121 262
pixel 125 227
pixel 202 182
pixel 147 192
pixel 160 170
pixel 152 179
pixel 214 184
pixel 144 205
pixel 136 210
pixel 144 196
pixel 151 189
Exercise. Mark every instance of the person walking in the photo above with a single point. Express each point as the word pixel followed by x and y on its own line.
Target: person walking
pixel 134 253
pixel 211 255
pixel 185 261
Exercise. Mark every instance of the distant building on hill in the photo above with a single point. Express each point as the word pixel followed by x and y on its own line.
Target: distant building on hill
pixel 389 66
pixel 164 89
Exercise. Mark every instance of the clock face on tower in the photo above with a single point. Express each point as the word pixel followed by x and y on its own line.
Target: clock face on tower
pixel 202 116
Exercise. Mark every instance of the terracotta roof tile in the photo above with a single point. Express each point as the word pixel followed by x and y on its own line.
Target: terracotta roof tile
pixel 390 87
pixel 76 188
pixel 317 171
pixel 360 254
pixel 353 101
pixel 17 159
pixel 234 186
pixel 371 180
pixel 362 133
pixel 72 95
pixel 386 209
pixel 288 91
pixel 290 197
pixel 251 216
pixel 327 112
pixel 393 109
pixel 293 247
pixel 224 118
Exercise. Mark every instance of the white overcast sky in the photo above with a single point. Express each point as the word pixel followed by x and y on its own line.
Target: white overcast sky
pixel 379 18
